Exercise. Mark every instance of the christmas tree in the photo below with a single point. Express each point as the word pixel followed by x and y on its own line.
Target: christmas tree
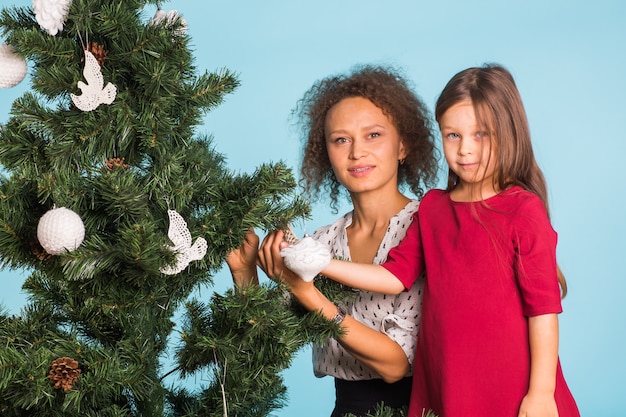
pixel 119 208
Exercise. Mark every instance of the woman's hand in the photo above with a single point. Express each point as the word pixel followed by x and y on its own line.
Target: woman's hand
pixel 242 261
pixel 268 256
pixel 272 264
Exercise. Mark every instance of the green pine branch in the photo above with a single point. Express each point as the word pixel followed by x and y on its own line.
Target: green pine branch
pixel 384 411
pixel 244 339
pixel 121 167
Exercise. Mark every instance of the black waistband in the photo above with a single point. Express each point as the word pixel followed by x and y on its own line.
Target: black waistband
pixel 361 397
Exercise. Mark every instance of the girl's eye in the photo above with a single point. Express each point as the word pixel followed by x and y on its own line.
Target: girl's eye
pixel 452 135
pixel 482 134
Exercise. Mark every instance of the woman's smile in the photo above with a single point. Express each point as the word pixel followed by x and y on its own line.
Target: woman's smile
pixel 361 170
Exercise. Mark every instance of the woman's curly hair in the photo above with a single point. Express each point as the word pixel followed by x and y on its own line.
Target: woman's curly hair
pixel 390 92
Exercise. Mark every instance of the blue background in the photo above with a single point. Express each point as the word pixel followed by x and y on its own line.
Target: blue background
pixel 569 60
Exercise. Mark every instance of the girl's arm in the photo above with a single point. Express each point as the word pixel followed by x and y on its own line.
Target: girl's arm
pixel 373 348
pixel 544 346
pixel 366 277
pixel 309 257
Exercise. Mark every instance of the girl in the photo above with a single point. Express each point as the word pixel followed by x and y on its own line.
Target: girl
pixel 488 342
pixel 365 132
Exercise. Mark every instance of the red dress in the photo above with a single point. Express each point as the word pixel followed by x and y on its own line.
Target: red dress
pixel 489 266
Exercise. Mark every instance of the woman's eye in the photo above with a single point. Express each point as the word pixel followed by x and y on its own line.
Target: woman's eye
pixel 340 140
pixel 373 135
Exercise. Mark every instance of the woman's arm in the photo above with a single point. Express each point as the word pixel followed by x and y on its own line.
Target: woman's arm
pixel 544 345
pixel 374 349
pixel 242 261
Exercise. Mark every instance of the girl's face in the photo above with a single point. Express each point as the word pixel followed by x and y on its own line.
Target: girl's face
pixel 468 149
pixel 363 146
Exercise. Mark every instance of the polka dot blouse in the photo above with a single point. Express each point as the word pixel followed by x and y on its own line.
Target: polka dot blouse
pixel 397 316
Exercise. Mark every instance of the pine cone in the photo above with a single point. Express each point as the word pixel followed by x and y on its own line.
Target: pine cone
pixel 38 250
pixel 289 236
pixel 98 52
pixel 63 373
pixel 113 163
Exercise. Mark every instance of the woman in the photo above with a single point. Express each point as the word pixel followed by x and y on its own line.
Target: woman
pixel 366 132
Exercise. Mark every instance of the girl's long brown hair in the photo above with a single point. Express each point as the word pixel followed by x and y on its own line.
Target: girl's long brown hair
pixel 498 104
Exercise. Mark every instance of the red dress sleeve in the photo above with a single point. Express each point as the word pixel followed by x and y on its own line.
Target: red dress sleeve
pixel 534 241
pixel 406 260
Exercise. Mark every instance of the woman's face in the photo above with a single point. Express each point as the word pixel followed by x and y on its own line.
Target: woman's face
pixel 363 146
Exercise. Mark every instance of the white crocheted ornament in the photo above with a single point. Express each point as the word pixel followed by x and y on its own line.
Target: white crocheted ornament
pixel 12 67
pixel 169 18
pixel 51 14
pixel 307 258
pixel 181 238
pixel 94 93
pixel 60 230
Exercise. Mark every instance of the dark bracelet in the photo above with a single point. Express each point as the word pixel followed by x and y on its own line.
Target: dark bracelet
pixel 340 315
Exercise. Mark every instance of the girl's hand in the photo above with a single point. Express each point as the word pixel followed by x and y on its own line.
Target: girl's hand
pixel 543 332
pixel 242 261
pixel 307 258
pixel 538 405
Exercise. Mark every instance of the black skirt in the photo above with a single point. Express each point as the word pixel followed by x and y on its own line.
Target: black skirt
pixel 362 397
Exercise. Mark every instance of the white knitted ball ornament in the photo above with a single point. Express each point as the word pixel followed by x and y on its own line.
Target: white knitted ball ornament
pixel 60 230
pixel 12 67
